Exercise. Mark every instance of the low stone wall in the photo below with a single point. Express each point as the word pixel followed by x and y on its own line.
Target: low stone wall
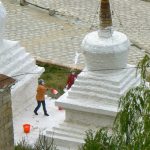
pixel 6 123
pixel 147 0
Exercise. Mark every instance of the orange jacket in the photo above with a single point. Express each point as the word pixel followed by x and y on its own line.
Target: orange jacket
pixel 41 90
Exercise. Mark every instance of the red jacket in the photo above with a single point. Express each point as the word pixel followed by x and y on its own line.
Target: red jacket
pixel 71 79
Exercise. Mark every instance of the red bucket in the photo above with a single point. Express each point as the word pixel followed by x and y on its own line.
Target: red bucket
pixel 26 128
pixel 54 91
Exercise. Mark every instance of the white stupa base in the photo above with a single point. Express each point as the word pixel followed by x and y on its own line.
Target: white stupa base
pixel 92 103
pixel 17 63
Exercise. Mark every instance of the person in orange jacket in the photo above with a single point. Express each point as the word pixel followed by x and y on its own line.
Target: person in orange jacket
pixel 40 97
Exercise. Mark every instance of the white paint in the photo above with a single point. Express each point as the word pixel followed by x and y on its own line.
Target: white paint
pixel 106 33
pixel 2 21
pixel 76 57
pixel 92 101
pixel 94 44
pixel 38 123
pixel 18 64
pixel 105 53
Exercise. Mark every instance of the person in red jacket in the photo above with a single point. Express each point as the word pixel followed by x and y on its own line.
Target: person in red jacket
pixel 40 97
pixel 71 78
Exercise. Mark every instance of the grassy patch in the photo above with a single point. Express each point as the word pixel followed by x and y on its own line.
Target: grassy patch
pixel 55 76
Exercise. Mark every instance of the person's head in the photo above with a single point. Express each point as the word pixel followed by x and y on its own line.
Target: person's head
pixel 41 82
pixel 72 71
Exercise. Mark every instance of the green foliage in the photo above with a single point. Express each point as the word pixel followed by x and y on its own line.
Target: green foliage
pixel 131 129
pixel 132 122
pixel 99 140
pixel 56 77
pixel 143 66
pixel 23 145
pixel 43 143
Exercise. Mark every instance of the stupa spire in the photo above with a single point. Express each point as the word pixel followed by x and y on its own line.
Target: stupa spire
pixel 105 19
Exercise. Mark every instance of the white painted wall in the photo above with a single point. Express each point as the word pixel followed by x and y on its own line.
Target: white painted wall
pixel 18 64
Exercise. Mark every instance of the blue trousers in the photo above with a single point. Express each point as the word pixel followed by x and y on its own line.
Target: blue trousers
pixel 39 105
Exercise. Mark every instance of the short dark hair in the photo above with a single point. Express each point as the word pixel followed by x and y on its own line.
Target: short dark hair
pixel 40 81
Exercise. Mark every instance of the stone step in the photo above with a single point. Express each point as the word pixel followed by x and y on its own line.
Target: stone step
pixel 27 78
pixel 92 96
pixel 114 79
pixel 108 74
pixel 97 84
pixel 127 82
pixel 8 47
pixel 106 85
pixel 10 57
pixel 23 70
pixel 98 107
pixel 60 132
pixel 15 63
pixel 63 148
pixel 69 142
pixel 133 83
pixel 78 127
pixel 125 77
pixel 99 90
pixel 74 127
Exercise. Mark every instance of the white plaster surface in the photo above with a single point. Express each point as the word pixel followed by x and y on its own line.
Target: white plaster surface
pixel 93 43
pixel 105 53
pixel 38 123
pixel 92 101
pixel 17 63
pixel 2 21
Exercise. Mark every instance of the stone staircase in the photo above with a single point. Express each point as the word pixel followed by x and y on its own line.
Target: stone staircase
pixel 92 100
pixel 75 137
pixel 17 63
pixel 103 89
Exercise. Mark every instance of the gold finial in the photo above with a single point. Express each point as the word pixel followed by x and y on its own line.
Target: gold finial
pixel 105 15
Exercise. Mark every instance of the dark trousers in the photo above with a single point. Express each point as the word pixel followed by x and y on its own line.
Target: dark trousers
pixel 39 105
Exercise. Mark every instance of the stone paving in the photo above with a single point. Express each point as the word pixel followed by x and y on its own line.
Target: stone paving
pixel 56 39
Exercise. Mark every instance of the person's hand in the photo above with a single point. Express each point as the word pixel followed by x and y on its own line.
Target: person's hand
pixel 48 88
pixel 66 86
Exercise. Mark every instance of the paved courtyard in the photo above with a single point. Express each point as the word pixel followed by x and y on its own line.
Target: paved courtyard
pixel 56 39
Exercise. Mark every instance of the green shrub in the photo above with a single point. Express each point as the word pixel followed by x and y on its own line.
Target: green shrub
pixel 42 143
pixel 23 145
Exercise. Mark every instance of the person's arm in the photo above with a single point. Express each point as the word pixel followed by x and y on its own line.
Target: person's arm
pixel 68 80
pixel 48 88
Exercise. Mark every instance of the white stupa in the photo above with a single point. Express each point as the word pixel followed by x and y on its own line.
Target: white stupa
pixel 17 63
pixel 92 101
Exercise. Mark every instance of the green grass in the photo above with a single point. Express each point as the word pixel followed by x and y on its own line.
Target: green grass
pixel 55 76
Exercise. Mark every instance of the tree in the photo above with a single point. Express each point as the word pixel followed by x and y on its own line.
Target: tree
pixel 131 129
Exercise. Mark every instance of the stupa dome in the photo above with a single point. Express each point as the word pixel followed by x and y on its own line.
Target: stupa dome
pixel 105 53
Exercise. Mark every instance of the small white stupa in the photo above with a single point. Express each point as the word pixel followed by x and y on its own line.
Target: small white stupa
pixel 92 101
pixel 17 63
